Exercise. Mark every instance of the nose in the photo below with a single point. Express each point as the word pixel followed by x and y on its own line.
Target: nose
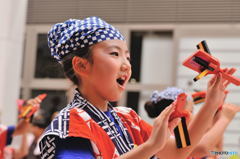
pixel 126 66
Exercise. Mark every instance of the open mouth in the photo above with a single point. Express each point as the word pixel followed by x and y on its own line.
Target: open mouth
pixel 120 81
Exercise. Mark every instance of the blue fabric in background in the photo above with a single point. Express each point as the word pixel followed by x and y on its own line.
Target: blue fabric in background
pixel 10 131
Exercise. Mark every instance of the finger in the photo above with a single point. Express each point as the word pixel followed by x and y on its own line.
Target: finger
pixel 212 80
pixel 226 83
pixel 173 124
pixel 230 72
pixel 170 111
pixel 30 102
pixel 37 99
pixel 33 102
pixel 219 81
pixel 225 70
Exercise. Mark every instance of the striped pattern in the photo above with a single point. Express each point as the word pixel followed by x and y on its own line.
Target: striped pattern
pixel 135 11
pixel 201 75
pixel 181 134
pixel 202 46
pixel 198 100
pixel 48 147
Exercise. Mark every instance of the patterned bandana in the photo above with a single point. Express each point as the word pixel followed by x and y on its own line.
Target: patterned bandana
pixel 169 93
pixel 73 34
pixel 59 127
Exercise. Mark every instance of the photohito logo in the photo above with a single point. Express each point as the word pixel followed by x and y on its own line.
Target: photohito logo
pixel 225 154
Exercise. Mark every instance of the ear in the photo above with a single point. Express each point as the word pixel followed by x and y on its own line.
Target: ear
pixel 80 65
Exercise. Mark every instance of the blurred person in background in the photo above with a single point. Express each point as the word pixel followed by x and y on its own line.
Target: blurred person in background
pixel 40 120
pixel 8 132
pixel 213 138
pixel 31 120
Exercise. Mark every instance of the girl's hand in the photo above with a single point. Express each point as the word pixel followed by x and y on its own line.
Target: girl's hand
pixel 215 92
pixel 37 100
pixel 216 86
pixel 162 128
pixel 33 101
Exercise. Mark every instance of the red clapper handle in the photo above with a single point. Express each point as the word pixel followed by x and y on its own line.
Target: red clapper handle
pixel 28 110
pixel 231 78
pixel 179 108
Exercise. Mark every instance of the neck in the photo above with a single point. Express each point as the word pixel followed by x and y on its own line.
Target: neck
pixel 95 100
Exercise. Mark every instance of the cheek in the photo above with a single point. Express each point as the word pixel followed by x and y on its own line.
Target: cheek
pixel 104 75
pixel 108 67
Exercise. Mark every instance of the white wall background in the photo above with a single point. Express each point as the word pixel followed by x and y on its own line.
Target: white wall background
pixel 156 65
pixel 12 26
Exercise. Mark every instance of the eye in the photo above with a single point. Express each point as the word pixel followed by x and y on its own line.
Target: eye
pixel 114 53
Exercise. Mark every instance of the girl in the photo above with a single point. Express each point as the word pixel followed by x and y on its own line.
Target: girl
pixel 95 57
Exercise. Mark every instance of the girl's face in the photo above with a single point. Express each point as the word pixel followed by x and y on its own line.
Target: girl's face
pixel 110 70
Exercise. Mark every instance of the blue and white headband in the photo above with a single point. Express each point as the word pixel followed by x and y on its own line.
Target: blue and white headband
pixel 73 34
pixel 170 93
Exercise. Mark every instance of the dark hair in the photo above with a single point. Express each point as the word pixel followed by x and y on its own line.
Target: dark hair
pixel 41 119
pixel 67 63
pixel 154 109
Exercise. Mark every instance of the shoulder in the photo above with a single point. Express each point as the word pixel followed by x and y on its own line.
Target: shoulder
pixel 128 116
pixel 127 112
pixel 59 124
pixel 66 123
pixel 139 129
pixel 57 131
pixel 124 110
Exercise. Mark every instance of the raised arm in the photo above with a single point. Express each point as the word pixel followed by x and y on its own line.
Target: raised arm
pixel 198 126
pixel 215 134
